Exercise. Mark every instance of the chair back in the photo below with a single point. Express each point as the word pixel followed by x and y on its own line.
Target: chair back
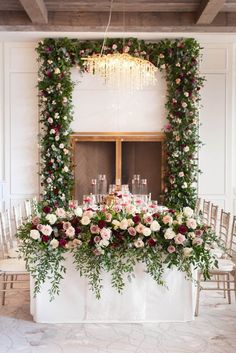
pixel 206 211
pixel 18 219
pixel 232 244
pixel 6 241
pixel 197 206
pixel 27 208
pixel 224 226
pixel 213 216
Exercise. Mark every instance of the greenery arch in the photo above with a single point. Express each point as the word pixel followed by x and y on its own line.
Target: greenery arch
pixel 179 61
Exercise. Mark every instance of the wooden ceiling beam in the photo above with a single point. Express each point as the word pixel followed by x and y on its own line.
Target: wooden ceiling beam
pixel 36 10
pixel 208 10
pixel 134 22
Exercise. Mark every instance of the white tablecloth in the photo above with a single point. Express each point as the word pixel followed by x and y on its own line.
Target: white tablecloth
pixel 142 300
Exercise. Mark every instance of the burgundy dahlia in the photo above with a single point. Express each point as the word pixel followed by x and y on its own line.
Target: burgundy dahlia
pixel 182 229
pixel 101 223
pixel 62 242
pixel 136 219
pixel 45 238
pixel 47 209
pixel 151 242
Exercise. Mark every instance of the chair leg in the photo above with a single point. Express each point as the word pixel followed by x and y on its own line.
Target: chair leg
pixel 224 286
pixel 12 279
pixel 4 288
pixel 228 288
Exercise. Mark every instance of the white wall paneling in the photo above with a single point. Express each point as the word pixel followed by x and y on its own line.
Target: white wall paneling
pixel 216 117
pixel 21 122
pixel 2 177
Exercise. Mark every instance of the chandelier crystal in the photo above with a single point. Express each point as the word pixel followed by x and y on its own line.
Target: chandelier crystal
pixel 122 70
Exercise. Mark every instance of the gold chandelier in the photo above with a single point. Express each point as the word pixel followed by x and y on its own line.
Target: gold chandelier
pixel 121 70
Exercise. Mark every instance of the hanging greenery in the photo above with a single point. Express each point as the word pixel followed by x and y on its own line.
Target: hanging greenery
pixel 178 60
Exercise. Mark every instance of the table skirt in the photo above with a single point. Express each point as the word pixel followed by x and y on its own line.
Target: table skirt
pixel 141 301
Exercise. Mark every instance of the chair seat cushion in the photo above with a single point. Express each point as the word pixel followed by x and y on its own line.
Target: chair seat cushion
pixel 225 265
pixel 12 265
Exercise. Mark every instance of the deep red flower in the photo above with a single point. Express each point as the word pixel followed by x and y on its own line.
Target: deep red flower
pixel 136 219
pixel 101 223
pixel 171 211
pixel 151 242
pixel 182 229
pixel 59 225
pixel 45 238
pixel 62 242
pixel 47 209
pixel 156 215
pixel 77 230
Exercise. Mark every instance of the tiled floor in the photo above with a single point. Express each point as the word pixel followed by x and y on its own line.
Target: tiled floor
pixel 214 331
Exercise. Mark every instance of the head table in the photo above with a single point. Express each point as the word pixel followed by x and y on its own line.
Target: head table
pixel 141 301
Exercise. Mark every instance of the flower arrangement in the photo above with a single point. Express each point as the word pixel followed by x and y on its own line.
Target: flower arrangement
pixel 178 59
pixel 113 238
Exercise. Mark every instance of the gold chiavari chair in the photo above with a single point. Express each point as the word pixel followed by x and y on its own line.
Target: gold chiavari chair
pixel 213 217
pixel 197 206
pixel 224 227
pixel 225 274
pixel 206 211
pixel 12 271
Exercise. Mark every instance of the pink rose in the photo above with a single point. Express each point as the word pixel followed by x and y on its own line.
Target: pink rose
pixel 105 233
pixel 108 217
pixel 94 229
pixel 167 219
pixel 140 227
pixel 197 241
pixel 35 221
pixel 179 239
pixel 198 232
pixel 47 230
pixel 70 232
pixel 148 218
pixel 40 227
pixel 88 214
pixel 171 249
pixel 66 225
pixel 60 212
pixel 97 239
pixel 132 231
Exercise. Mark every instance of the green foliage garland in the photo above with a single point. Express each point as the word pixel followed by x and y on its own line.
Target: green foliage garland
pixel 179 61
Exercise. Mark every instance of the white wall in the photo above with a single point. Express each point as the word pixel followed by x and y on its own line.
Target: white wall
pixel 100 109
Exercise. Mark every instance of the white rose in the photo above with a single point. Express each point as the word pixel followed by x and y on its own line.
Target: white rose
pixel 116 223
pixel 54 243
pixel 147 231
pixel 61 145
pixel 181 174
pixel 186 149
pixel 57 71
pixel 51 218
pixel 124 224
pixel 188 212
pixel 78 211
pixel 130 222
pixel 66 169
pixel 34 234
pixel 85 220
pixel 104 242
pixel 191 223
pixel 169 234
pixel 155 226
pixel 187 251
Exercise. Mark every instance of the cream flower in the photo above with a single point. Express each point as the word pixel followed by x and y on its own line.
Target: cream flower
pixel 188 212
pixel 155 226
pixel 139 243
pixel 169 234
pixel 124 224
pixel 85 220
pixel 54 243
pixel 70 232
pixel 60 212
pixel 191 223
pixel 147 232
pixel 51 218
pixel 34 234
pixel 187 251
